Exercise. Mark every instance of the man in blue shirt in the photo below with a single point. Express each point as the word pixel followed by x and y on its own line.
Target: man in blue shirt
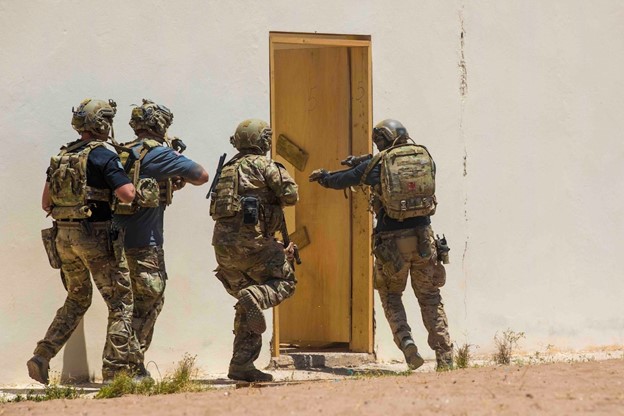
pixel 159 162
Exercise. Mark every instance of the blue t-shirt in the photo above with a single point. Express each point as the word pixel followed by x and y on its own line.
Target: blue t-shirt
pixel 145 227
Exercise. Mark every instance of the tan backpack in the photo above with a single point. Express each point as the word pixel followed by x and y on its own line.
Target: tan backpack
pixel 407 186
pixel 69 191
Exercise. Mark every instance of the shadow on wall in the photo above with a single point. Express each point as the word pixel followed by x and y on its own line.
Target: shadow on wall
pixel 75 365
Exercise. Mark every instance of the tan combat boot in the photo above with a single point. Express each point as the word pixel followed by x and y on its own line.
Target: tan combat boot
pixel 38 368
pixel 410 351
pixel 251 375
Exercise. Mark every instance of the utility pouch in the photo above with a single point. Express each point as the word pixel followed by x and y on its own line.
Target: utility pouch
pixel 387 252
pixel 49 242
pixel 148 193
pixel 425 245
pixel 250 210
pixel 116 243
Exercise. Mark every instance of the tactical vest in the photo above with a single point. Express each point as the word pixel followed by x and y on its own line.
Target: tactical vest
pixel 407 187
pixel 225 201
pixel 150 193
pixel 69 192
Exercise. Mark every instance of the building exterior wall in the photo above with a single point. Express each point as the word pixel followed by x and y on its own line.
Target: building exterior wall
pixel 523 119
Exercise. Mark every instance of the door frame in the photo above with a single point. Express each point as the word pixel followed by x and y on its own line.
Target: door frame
pixel 360 50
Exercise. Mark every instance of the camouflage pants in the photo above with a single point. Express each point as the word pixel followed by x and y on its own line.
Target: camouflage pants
pixel 81 253
pixel 417 258
pixel 149 279
pixel 261 267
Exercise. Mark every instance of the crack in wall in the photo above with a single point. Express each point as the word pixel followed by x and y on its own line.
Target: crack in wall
pixel 463 93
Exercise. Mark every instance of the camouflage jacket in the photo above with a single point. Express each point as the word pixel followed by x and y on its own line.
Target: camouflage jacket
pixel 271 183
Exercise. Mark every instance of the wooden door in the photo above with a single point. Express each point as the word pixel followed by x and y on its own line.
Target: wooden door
pixel 312 96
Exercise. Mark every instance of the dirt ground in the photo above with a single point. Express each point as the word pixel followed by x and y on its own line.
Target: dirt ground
pixel 594 387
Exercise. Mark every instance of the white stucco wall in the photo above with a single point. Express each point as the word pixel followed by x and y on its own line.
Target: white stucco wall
pixel 529 159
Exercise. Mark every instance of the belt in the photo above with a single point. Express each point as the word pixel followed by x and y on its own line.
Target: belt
pixel 78 224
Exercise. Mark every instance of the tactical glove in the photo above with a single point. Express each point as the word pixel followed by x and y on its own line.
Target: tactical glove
pixel 319 175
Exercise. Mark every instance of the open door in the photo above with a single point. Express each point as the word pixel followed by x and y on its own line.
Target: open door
pixel 321 112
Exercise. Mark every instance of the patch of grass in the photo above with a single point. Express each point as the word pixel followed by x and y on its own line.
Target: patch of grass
pixel 463 356
pixel 51 392
pixel 180 381
pixel 365 374
pixel 505 344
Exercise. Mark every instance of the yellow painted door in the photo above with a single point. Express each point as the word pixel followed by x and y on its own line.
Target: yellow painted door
pixel 312 108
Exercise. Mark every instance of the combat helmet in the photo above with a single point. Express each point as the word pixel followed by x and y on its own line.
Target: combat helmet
pixel 252 134
pixel 389 132
pixel 151 117
pixel 95 116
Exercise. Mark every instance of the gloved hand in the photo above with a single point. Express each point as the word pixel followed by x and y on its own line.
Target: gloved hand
pixel 177 183
pixel 290 252
pixel 318 175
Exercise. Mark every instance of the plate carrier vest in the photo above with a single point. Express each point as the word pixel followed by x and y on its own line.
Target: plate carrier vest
pixel 69 192
pixel 150 193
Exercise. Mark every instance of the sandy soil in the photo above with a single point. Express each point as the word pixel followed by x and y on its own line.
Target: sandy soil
pixel 595 387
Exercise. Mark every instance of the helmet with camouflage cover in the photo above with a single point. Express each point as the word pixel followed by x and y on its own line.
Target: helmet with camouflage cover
pixel 389 132
pixel 151 117
pixel 252 134
pixel 95 116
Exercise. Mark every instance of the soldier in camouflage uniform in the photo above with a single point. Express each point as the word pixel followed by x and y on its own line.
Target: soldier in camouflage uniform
pixel 77 193
pixel 157 168
pixel 404 244
pixel 253 266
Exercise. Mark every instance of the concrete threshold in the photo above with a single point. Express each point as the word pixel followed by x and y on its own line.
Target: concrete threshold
pixel 314 360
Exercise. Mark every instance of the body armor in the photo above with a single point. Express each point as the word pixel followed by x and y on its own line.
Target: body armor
pixel 69 192
pixel 150 193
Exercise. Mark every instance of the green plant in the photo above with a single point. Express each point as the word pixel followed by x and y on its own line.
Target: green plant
pixel 463 356
pixel 180 381
pixel 505 344
pixel 50 392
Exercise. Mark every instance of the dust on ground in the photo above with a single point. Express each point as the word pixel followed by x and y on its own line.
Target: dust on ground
pixel 590 387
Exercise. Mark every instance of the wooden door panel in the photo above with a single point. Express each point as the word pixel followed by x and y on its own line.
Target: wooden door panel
pixel 312 108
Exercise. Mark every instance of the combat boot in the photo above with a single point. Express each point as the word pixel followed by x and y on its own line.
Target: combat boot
pixel 252 375
pixel 410 351
pixel 255 317
pixel 38 368
pixel 140 373
pixel 444 361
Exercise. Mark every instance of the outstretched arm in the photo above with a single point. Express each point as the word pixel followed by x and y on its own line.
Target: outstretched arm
pixel 345 178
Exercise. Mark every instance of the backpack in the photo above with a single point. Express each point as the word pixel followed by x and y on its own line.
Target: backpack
pixel 407 186
pixel 69 192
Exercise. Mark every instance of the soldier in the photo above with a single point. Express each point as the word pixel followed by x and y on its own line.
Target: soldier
pixel 157 169
pixel 402 178
pixel 253 266
pixel 77 193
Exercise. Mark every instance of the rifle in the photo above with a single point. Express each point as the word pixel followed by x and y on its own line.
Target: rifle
pixel 352 161
pixel 215 180
pixel 286 240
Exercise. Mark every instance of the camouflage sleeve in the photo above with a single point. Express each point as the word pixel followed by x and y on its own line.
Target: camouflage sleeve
pixel 280 182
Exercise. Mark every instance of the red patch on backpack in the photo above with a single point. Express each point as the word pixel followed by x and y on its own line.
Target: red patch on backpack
pixel 411 186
